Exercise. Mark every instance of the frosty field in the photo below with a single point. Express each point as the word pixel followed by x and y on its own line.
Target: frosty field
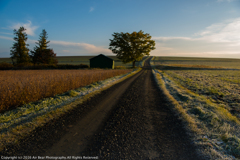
pixel 207 96
pixel 221 87
pixel 184 62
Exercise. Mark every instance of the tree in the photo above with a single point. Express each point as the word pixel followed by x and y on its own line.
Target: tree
pixel 19 51
pixel 131 47
pixel 41 52
pixel 48 57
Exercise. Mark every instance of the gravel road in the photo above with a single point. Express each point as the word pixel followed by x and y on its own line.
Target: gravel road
pixel 130 120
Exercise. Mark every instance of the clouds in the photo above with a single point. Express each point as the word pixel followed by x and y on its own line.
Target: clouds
pixel 225 0
pixel 30 29
pixel 66 51
pixel 70 47
pixel 219 39
pixel 6 38
pixel 171 38
pixel 228 32
pixel 61 46
pixel 91 9
pixel 89 48
pixel 6 33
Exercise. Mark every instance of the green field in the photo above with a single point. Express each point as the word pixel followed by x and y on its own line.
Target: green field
pixel 81 60
pixel 8 60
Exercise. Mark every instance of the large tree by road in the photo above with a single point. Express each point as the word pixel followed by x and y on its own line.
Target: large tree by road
pixel 131 47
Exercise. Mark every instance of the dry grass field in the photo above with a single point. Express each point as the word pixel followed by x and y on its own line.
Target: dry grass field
pixel 21 87
pixel 206 93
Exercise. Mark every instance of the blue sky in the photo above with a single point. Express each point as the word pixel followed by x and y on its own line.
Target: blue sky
pixel 189 28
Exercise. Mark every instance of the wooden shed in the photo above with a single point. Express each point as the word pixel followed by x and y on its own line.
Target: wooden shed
pixel 101 61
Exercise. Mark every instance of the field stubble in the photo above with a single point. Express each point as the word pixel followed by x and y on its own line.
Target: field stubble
pixel 221 87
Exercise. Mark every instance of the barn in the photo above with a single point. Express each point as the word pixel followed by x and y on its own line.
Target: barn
pixel 101 61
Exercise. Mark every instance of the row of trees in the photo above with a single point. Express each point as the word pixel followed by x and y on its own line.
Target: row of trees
pixel 41 54
pixel 129 47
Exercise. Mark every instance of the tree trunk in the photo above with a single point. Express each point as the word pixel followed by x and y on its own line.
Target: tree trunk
pixel 12 60
pixel 134 64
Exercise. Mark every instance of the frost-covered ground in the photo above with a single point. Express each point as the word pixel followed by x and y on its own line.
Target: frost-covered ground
pixel 20 121
pixel 216 131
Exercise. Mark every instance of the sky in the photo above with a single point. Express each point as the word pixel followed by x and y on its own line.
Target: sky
pixel 182 28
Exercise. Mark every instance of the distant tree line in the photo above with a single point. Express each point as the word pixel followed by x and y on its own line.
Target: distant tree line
pixel 41 54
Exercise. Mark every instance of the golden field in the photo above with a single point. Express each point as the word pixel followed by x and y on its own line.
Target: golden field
pixel 23 86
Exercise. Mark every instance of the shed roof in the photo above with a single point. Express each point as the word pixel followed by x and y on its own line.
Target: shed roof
pixel 101 55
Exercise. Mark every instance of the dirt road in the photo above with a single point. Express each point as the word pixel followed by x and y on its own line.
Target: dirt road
pixel 131 120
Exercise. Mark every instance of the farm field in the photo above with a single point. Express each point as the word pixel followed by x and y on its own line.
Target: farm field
pixel 197 62
pixel 75 60
pixel 221 87
pixel 207 94
pixel 21 87
pixel 8 60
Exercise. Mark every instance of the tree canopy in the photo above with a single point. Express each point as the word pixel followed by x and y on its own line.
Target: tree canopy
pixel 131 47
pixel 42 42
pixel 41 52
pixel 19 51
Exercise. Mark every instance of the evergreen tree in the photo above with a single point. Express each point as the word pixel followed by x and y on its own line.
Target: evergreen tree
pixel 42 42
pixel 41 53
pixel 19 51
pixel 48 57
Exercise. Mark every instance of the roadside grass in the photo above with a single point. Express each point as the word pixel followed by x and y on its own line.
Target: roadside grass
pixel 18 123
pixel 208 104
